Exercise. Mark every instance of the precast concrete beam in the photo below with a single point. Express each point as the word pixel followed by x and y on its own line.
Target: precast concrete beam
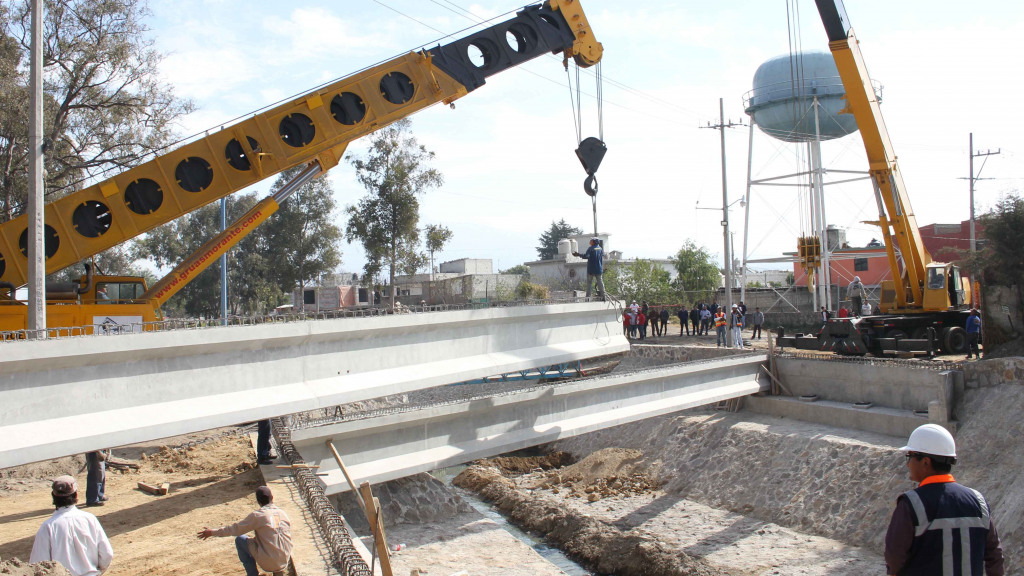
pixel 385 447
pixel 68 396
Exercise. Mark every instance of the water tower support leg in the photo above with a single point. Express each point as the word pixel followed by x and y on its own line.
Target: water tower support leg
pixel 746 212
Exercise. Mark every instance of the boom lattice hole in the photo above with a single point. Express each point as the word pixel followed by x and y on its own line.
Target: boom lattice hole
pixel 194 174
pixel 92 219
pixel 143 196
pixel 50 239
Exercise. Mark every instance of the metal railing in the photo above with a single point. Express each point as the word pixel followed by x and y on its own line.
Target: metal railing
pixel 199 323
pixel 831 86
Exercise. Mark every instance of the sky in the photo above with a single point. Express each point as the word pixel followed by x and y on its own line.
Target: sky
pixel 506 150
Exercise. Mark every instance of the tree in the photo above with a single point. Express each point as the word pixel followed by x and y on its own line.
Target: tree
pixel 790 279
pixel 303 240
pixel 105 105
pixel 549 239
pixel 296 245
pixel 171 243
pixel 521 269
pixel 643 280
pixel 394 172
pixel 696 271
pixel 1004 237
pixel 437 237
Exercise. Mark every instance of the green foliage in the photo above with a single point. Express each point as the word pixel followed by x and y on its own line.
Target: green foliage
pixel 530 291
pixel 697 273
pixel 437 237
pixel 1003 253
pixel 297 245
pixel 522 270
pixel 790 279
pixel 394 172
pixel 105 105
pixel 643 280
pixel 755 284
pixel 549 239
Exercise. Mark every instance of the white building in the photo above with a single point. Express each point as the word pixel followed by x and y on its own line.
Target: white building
pixel 567 270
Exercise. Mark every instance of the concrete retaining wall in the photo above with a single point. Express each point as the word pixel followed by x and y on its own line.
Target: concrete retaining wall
pixel 68 396
pixel 887 385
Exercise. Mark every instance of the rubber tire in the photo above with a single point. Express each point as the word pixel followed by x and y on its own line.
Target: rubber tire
pixel 955 340
pixel 896 333
pixel 920 334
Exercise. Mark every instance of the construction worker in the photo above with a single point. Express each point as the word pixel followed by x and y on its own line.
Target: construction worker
pixel 720 328
pixel 940 527
pixel 72 537
pixel 595 265
pixel 855 292
pixel 736 327
pixel 271 548
pixel 973 333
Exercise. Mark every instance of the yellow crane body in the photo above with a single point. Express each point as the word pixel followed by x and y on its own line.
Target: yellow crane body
pixel 311 129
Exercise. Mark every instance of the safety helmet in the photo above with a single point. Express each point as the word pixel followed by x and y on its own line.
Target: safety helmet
pixel 856 278
pixel 931 439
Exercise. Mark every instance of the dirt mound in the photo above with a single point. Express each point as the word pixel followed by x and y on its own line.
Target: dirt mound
pixel 604 548
pixel 231 455
pixel 515 465
pixel 16 567
pixel 40 474
pixel 605 464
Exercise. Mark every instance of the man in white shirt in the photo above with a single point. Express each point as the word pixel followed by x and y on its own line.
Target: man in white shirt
pixel 72 537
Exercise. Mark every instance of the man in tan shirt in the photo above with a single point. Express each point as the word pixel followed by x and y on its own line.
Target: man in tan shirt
pixel 271 548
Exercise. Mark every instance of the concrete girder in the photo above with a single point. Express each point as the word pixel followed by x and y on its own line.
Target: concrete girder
pixel 68 396
pixel 382 448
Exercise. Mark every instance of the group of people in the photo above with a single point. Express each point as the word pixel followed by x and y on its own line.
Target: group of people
pixel 702 317
pixel 637 318
pixel 76 540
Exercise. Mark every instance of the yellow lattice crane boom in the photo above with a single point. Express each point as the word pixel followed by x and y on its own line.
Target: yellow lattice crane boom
pixel 313 129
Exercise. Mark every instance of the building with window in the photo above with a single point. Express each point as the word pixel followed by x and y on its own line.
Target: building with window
pixel 943 241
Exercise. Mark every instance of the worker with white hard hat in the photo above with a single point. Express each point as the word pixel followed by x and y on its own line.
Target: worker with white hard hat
pixel 940 527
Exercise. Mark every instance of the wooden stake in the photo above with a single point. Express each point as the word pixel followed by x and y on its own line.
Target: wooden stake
pixel 373 516
pixel 351 484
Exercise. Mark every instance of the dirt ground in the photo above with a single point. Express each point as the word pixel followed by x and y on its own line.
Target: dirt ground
pixel 663 533
pixel 211 485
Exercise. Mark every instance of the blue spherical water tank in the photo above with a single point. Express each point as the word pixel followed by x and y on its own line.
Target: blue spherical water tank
pixel 784 90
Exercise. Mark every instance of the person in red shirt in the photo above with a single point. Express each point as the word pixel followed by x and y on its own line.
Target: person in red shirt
pixel 843 313
pixel 641 324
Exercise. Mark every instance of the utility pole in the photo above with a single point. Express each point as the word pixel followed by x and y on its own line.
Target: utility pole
pixel 972 179
pixel 722 125
pixel 36 225
pixel 224 266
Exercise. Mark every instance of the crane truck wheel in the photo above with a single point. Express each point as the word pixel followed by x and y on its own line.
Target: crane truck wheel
pixel 954 340
pixel 895 333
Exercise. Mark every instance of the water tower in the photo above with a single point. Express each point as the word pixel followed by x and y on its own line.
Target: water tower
pixel 798 99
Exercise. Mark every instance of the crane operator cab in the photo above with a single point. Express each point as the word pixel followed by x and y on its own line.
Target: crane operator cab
pixel 945 289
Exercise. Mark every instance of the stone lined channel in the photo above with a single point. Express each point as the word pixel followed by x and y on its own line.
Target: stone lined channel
pixel 553 555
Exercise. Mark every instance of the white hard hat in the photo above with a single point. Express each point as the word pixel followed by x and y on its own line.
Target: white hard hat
pixel 931 439
pixel 856 278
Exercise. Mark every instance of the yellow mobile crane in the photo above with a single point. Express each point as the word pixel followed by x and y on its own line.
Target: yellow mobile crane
pixel 312 130
pixel 925 306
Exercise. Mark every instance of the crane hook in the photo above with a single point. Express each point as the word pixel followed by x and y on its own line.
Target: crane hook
pixel 590 185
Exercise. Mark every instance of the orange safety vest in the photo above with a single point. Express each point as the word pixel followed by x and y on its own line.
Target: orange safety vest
pixel 719 319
